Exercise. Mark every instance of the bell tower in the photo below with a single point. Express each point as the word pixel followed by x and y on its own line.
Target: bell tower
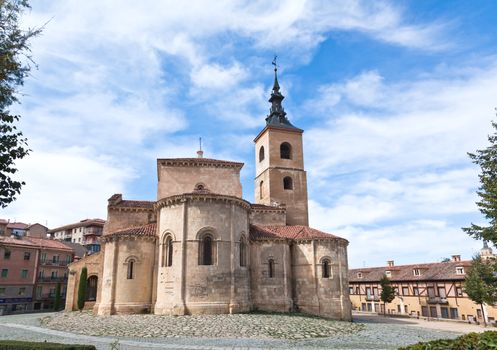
pixel 279 158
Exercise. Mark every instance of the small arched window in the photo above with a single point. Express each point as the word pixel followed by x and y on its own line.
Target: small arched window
pixel 91 288
pixel 243 252
pixel 326 267
pixel 288 183
pixel 261 189
pixel 285 151
pixel 206 251
pixel 167 251
pixel 271 268
pixel 261 154
pixel 131 267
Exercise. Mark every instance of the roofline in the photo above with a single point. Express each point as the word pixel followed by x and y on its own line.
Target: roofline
pixel 267 127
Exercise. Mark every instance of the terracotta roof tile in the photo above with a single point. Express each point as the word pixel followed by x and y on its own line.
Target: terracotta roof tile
pixel 36 243
pixel 17 225
pixel 296 232
pixel 429 271
pixel 145 230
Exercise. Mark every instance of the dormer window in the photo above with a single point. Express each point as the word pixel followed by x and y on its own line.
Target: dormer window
pixel 416 272
pixel 459 270
pixel 359 275
pixel 388 273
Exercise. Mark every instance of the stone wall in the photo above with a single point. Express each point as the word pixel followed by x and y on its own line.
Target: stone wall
pixel 175 180
pixel 94 265
pixel 271 293
pixel 267 216
pixel 122 218
pixel 188 287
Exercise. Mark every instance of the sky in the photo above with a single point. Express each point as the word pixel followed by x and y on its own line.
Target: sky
pixel 391 95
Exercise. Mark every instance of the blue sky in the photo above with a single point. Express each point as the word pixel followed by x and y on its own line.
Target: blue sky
pixel 391 96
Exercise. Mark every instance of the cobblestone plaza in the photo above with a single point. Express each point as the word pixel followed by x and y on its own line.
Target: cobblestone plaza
pixel 242 331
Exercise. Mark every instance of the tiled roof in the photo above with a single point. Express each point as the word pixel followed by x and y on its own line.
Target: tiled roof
pixel 134 204
pixel 79 250
pixel 3 222
pixel 145 230
pixel 265 207
pixel 17 225
pixel 296 232
pixel 199 162
pixel 82 223
pixel 429 271
pixel 35 243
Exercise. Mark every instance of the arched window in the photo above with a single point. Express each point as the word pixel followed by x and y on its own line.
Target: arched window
pixel 91 288
pixel 243 252
pixel 271 268
pixel 288 183
pixel 261 189
pixel 285 151
pixel 167 251
pixel 261 154
pixel 326 267
pixel 206 251
pixel 131 272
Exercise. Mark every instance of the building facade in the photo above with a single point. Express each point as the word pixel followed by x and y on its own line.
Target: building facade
pixel 87 232
pixel 200 248
pixel 30 269
pixel 433 290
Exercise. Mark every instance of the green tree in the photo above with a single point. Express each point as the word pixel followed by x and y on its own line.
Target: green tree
pixel 57 298
pixel 387 292
pixel 481 284
pixel 15 64
pixel 487 160
pixel 82 288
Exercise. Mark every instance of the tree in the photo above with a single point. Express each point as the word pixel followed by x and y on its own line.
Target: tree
pixel 82 288
pixel 387 292
pixel 57 297
pixel 15 65
pixel 481 284
pixel 487 160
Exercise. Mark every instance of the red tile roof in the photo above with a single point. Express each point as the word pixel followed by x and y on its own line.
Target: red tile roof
pixel 428 271
pixel 199 162
pixel 34 242
pixel 145 230
pixel 82 223
pixel 296 232
pixel 17 225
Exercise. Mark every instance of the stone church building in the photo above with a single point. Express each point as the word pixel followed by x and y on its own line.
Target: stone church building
pixel 200 248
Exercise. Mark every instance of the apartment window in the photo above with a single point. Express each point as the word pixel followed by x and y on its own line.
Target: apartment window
pixel 2 291
pixel 351 290
pixel 41 273
pixel 54 274
pixel 396 289
pixel 39 290
pixel 22 290
pixel 459 270
pixel 368 291
pixel 459 291
pixel 55 259
pixel 27 255
pixel 43 257
pixel 416 272
pixel 415 290
pixel 6 254
pixel 357 290
pixel 68 259
pixel 441 292
pixel 453 313
pixel 405 290
pixel 431 292
pixel 5 272
pixel 24 273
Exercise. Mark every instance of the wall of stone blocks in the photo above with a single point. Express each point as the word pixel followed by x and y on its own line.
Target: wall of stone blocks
pixel 267 217
pixel 122 218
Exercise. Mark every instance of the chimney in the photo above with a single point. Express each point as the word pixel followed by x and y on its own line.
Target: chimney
pixel 390 263
pixel 455 258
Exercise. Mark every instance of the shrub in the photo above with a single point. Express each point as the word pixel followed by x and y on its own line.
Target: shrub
pixel 27 345
pixel 82 288
pixel 470 341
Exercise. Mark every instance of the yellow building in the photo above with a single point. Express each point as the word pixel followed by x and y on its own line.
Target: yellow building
pixel 432 290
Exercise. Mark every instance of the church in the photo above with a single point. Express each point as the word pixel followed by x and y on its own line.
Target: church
pixel 200 248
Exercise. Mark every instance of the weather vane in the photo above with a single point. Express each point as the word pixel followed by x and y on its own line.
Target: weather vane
pixel 274 62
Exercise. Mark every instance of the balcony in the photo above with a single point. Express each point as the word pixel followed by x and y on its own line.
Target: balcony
pixel 372 297
pixel 54 263
pixel 52 279
pixel 437 300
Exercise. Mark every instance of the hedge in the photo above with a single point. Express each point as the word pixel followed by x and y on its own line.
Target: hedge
pixel 27 345
pixel 471 341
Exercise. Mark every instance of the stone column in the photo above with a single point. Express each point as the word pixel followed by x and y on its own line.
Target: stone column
pixel 179 307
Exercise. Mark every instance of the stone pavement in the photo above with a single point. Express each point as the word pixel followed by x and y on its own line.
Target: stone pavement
pixel 261 331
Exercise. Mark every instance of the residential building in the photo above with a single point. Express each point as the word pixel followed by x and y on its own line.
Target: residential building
pixel 86 232
pixel 30 269
pixel 432 290
pixel 16 228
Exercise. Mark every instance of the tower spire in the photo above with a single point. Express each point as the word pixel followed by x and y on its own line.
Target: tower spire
pixel 277 114
pixel 200 153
